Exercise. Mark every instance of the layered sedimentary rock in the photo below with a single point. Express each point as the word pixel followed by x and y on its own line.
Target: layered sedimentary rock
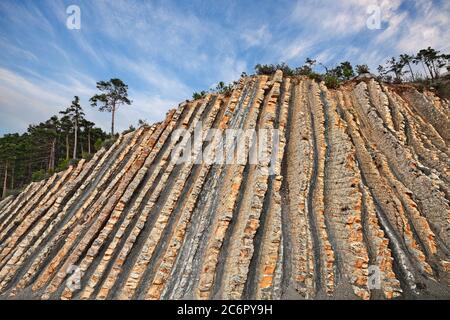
pixel 349 199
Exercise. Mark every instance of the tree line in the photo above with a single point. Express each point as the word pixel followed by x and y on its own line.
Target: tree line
pixel 221 88
pixel 396 69
pixel 332 76
pixel 51 146
pixel 399 69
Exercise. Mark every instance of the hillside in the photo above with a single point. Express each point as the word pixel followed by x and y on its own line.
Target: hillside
pixel 359 183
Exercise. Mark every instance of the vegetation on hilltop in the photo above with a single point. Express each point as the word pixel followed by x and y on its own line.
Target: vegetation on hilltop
pixel 221 88
pixel 395 70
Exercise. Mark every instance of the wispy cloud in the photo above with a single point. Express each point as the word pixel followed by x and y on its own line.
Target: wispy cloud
pixel 165 50
pixel 257 37
pixel 24 102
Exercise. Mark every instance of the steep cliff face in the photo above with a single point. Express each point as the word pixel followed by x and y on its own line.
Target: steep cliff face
pixel 353 202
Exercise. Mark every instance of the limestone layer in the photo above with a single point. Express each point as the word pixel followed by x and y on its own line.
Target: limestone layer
pixel 352 203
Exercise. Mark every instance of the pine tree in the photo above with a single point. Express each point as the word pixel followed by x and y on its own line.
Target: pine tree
pixel 406 60
pixel 75 115
pixel 114 93
pixel 87 128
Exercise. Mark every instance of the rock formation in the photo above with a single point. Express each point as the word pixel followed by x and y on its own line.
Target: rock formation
pixel 353 203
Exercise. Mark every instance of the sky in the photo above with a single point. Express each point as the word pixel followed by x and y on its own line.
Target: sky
pixel 166 50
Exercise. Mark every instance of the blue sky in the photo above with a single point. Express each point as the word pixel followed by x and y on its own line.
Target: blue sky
pixel 165 50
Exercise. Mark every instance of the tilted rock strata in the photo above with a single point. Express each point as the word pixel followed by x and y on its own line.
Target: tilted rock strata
pixel 358 182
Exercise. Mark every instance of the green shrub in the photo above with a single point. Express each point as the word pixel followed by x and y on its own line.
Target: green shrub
pixel 38 175
pixel 98 144
pixel 73 162
pixel 443 90
pixel 62 165
pixel 303 71
pixel 86 155
pixel 316 76
pixel 131 128
pixel 362 68
pixel 347 70
pixel 198 95
pixel 332 82
pixel 265 69
pixel 269 69
pixel 224 89
pixel 142 123
pixel 108 143
pixel 287 71
pixel 14 192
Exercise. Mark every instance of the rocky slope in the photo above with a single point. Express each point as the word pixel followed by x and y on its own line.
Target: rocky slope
pixel 353 203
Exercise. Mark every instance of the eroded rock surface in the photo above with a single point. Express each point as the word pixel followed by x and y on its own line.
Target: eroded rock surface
pixel 353 203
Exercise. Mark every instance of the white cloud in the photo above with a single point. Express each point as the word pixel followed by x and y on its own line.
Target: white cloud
pixel 429 28
pixel 294 49
pixel 396 23
pixel 26 17
pixel 25 101
pixel 328 19
pixel 164 52
pixel 16 50
pixel 256 37
pixel 159 81
pixel 31 101
pixel 145 107
pixel 231 68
